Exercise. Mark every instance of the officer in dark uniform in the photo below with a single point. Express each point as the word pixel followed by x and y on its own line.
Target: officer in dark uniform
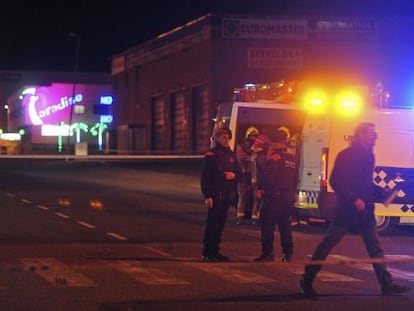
pixel 219 177
pixel 277 184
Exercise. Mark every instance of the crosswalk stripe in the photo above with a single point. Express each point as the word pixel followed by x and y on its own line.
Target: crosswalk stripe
pixel 396 273
pixel 230 273
pixel 56 272
pixel 326 276
pixel 157 251
pixel 145 274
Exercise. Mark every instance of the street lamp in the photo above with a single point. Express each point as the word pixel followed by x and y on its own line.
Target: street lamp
pixel 75 73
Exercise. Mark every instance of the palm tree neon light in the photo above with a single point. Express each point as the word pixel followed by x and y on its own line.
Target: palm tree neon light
pixel 97 130
pixel 78 127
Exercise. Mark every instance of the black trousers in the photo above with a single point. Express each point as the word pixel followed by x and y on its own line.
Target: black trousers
pixel 276 211
pixel 334 236
pixel 215 223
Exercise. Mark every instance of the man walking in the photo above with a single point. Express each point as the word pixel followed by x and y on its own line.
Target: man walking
pixel 352 181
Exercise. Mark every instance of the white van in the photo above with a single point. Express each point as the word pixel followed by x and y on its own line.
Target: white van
pixel 316 138
pixel 394 170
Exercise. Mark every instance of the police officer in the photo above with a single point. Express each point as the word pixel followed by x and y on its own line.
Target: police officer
pixel 219 176
pixel 277 184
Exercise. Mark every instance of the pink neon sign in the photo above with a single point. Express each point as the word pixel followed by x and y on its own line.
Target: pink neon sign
pixel 52 104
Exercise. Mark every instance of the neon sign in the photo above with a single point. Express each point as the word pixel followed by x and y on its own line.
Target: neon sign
pixel 45 107
pixel 106 118
pixel 48 108
pixel 10 136
pixel 106 100
pixel 55 130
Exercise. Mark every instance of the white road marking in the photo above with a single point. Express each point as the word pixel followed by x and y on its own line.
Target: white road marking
pixel 326 276
pixel 11 195
pixel 117 236
pixel 231 273
pixel 62 215
pixel 87 225
pixel 145 274
pixel 45 208
pixel 56 273
pixel 396 273
pixel 25 201
pixel 158 251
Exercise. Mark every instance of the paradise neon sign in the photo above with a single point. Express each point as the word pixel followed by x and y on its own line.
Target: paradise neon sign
pixel 38 106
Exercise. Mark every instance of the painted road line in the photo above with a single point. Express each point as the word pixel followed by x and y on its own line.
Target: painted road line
pixel 45 208
pixel 326 276
pixel 117 236
pixel 87 225
pixel 56 273
pixel 396 273
pixel 157 251
pixel 231 273
pixel 26 201
pixel 147 275
pixel 62 215
pixel 11 195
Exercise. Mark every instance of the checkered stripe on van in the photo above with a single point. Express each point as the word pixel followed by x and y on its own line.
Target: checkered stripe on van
pixel 386 178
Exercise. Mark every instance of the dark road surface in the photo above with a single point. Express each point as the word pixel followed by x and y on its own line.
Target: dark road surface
pixel 127 236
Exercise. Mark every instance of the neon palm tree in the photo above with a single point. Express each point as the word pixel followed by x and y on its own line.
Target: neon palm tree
pixel 78 127
pixel 97 130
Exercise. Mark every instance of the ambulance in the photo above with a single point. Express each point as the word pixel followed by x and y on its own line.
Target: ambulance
pixel 320 121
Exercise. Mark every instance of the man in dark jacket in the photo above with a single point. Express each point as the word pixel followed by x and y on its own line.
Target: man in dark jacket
pixel 219 185
pixel 351 179
pixel 277 181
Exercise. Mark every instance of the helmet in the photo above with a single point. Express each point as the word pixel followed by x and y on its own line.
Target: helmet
pixel 286 130
pixel 223 130
pixel 251 131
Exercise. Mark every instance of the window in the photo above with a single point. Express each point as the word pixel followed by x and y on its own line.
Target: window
pixel 79 109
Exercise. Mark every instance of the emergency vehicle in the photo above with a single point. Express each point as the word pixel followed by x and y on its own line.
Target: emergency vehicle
pixel 320 121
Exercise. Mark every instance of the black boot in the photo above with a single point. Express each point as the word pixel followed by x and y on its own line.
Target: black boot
pixel 286 257
pixel 394 289
pixel 306 286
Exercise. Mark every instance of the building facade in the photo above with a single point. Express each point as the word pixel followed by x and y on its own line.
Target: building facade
pixel 168 89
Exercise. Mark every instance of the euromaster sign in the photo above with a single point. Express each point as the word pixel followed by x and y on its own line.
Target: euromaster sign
pixel 234 28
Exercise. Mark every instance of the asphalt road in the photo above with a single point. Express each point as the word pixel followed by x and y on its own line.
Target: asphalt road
pixel 127 236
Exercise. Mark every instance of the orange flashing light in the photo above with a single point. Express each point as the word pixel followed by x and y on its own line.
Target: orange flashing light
pixel 64 202
pixel 315 101
pixel 96 204
pixel 348 103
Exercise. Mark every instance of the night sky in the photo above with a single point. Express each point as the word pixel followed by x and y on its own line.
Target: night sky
pixel 34 34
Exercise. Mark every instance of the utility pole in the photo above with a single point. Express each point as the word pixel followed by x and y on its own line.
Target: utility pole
pixel 75 73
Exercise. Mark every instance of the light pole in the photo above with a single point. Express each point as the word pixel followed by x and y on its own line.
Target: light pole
pixel 75 73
